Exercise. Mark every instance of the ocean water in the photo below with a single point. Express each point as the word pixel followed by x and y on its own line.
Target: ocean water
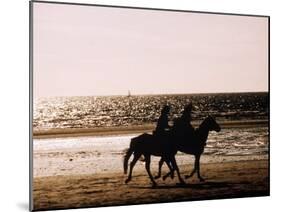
pixel 104 154
pixel 108 111
pixel 101 154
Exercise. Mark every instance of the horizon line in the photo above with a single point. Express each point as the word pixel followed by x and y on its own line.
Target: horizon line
pixel 154 94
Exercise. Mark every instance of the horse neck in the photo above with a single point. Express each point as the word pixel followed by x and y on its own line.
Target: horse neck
pixel 203 132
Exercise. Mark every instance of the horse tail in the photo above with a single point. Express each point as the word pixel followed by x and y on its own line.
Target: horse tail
pixel 127 156
pixel 133 147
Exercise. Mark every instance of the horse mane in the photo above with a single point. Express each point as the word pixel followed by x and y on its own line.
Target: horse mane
pixel 201 127
pixel 202 124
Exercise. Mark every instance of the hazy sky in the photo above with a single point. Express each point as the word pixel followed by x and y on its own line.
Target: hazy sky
pixel 85 50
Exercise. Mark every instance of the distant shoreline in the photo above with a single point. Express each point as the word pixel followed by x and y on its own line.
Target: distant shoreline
pixel 107 131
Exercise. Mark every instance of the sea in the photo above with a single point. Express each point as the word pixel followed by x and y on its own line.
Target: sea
pixel 102 154
pixel 114 111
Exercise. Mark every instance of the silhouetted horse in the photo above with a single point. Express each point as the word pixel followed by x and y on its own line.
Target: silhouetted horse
pixel 195 146
pixel 148 145
pixel 167 148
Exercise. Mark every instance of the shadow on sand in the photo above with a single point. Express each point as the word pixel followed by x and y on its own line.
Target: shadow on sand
pixel 205 185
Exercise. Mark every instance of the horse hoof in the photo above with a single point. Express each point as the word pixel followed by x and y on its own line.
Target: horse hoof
pixel 157 177
pixel 126 181
pixel 164 178
pixel 187 176
pixel 202 180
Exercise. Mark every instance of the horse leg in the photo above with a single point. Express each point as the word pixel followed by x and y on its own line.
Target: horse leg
pixel 170 168
pixel 198 168
pixel 174 163
pixel 171 173
pixel 193 171
pixel 132 164
pixel 147 166
pixel 159 168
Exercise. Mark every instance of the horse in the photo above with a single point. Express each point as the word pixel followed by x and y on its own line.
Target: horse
pixel 147 145
pixel 194 145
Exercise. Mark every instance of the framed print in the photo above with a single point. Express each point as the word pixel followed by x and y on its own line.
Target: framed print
pixel 142 105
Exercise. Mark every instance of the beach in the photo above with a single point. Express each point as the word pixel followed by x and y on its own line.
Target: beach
pixel 223 180
pixel 87 170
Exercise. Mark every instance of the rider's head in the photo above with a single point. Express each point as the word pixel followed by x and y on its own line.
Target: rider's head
pixel 165 109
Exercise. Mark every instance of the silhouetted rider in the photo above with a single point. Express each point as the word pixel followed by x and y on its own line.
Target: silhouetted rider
pixel 182 126
pixel 163 122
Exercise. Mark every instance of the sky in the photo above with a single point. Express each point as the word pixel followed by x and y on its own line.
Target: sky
pixel 93 51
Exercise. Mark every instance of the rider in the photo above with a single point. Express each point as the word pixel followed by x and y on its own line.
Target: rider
pixel 163 122
pixel 182 126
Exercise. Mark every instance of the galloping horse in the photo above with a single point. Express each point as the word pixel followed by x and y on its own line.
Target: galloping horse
pixel 167 148
pixel 194 147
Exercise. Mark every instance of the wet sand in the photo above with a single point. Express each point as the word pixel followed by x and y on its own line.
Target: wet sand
pixel 223 180
pixel 106 131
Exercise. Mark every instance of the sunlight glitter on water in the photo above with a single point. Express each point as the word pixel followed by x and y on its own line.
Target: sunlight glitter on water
pixel 108 111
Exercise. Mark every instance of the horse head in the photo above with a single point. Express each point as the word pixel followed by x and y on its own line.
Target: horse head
pixel 212 124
